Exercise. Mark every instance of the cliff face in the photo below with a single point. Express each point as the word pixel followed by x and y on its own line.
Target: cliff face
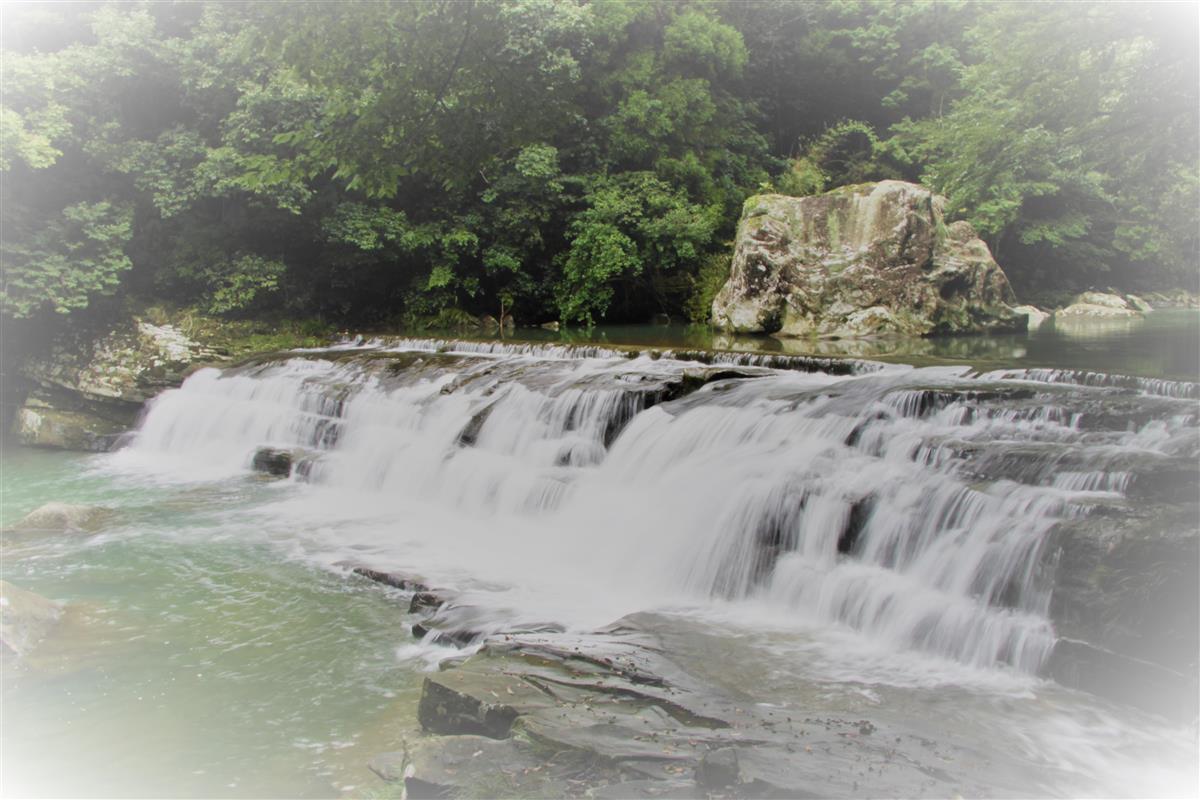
pixel 87 392
pixel 866 260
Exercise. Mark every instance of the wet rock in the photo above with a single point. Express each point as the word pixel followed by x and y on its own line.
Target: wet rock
pixel 1123 678
pixel 483 703
pixel 397 580
pixel 1034 316
pixel 1126 606
pixel 64 517
pixel 625 790
pixel 455 637
pixel 612 715
pixel 468 766
pixel 865 260
pixel 470 432
pixel 550 326
pixel 389 766
pixel 272 461
pixel 425 602
pixel 91 384
pixel 46 421
pixel 719 769
pixel 25 618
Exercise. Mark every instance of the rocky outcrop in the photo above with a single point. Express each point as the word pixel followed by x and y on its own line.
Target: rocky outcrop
pixel 59 423
pixel 611 715
pixel 865 260
pixel 25 618
pixel 1125 602
pixel 1103 305
pixel 86 391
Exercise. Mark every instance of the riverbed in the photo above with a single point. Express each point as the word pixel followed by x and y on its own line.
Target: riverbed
pixel 215 642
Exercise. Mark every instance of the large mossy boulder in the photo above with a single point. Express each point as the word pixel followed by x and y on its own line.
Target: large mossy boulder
pixel 867 260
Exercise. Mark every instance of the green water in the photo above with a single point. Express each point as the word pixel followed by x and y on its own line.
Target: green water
pixel 194 658
pixel 1166 344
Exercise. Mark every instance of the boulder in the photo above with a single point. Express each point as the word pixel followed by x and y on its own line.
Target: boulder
pixel 1034 316
pixel 864 260
pixel 39 423
pixel 1138 303
pixel 272 461
pixel 1099 305
pixel 63 517
pixel 25 618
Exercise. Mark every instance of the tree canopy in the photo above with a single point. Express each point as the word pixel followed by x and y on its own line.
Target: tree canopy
pixel 375 162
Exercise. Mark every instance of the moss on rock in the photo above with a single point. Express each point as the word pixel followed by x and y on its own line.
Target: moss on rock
pixel 874 259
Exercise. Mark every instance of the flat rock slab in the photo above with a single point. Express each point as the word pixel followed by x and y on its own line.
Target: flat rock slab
pixel 479 766
pixel 629 721
pixel 484 700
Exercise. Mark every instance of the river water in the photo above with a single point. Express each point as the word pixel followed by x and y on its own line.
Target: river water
pixel 827 537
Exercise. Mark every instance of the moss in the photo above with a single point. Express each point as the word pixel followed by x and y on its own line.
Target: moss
pixel 243 337
pixel 832 230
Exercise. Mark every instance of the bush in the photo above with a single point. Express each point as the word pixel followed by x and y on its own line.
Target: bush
pixel 712 275
pixel 801 179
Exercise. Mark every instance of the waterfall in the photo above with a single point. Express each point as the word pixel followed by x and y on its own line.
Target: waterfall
pixel 911 506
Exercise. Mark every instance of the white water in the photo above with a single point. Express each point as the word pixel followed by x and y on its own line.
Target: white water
pixel 562 485
pixel 742 490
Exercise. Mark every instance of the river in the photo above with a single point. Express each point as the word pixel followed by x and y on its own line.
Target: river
pixel 843 537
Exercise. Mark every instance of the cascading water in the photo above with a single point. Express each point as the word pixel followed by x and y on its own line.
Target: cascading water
pixel 911 506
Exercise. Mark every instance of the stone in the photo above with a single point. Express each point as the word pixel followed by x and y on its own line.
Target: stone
pixel 1034 316
pixel 873 259
pixel 64 517
pixel 1125 601
pixel 719 769
pixel 610 714
pixel 39 424
pixel 90 384
pixel 397 580
pixel 25 618
pixel 272 461
pixel 551 326
pixel 475 702
pixel 389 766
pixel 1138 304
pixel 465 766
pixel 428 601
pixel 130 363
pixel 1099 305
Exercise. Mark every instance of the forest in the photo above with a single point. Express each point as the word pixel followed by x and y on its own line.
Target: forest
pixel 375 163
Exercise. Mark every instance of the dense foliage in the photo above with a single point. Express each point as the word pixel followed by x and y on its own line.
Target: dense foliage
pixel 564 159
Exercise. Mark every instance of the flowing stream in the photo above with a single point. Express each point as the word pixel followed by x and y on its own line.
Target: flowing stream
pixel 858 536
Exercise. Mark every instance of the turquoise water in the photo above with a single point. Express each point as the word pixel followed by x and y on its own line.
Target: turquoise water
pixel 195 658
pixel 208 649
